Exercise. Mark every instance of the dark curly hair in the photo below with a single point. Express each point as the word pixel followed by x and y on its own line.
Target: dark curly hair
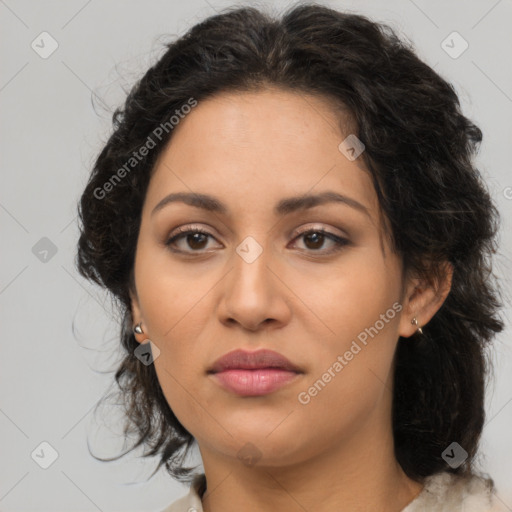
pixel 418 151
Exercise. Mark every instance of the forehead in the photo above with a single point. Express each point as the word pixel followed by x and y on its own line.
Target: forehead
pixel 253 148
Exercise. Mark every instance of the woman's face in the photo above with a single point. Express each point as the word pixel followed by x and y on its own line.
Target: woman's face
pixel 256 281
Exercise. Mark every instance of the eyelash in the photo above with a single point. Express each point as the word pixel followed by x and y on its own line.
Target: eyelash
pixel 183 232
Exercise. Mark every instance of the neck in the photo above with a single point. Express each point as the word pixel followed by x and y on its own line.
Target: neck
pixel 361 474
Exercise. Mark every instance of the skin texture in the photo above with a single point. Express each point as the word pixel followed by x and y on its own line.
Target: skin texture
pixel 251 150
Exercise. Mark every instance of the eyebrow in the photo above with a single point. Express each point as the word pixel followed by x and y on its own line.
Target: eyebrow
pixel 283 207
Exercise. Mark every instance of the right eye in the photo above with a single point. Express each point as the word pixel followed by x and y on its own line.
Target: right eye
pixel 195 238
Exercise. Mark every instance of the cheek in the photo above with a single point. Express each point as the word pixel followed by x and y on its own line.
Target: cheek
pixel 359 306
pixel 171 297
pixel 350 382
pixel 354 293
pixel 174 311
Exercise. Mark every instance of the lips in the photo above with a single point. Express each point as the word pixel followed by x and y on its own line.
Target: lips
pixel 243 360
pixel 254 374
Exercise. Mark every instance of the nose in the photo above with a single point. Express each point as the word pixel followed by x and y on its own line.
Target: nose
pixel 253 294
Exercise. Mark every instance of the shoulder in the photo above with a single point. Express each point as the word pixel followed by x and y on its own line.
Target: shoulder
pixel 191 502
pixel 442 492
pixel 446 492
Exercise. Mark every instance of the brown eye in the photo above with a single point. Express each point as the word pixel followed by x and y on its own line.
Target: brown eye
pixel 195 239
pixel 314 240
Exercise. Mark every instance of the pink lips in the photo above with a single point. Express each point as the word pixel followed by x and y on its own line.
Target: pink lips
pixel 253 373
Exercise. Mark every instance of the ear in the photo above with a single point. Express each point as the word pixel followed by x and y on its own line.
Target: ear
pixel 423 299
pixel 137 316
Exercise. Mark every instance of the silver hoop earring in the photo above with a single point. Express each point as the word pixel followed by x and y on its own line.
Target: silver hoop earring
pixel 138 328
pixel 415 322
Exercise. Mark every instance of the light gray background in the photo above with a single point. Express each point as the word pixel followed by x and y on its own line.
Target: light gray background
pixel 50 135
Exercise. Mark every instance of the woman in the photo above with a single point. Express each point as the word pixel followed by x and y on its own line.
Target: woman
pixel 289 217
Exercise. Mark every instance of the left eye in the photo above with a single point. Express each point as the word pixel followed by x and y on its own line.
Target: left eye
pixel 317 237
pixel 314 240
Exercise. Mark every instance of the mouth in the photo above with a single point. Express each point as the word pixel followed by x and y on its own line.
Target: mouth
pixel 253 373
